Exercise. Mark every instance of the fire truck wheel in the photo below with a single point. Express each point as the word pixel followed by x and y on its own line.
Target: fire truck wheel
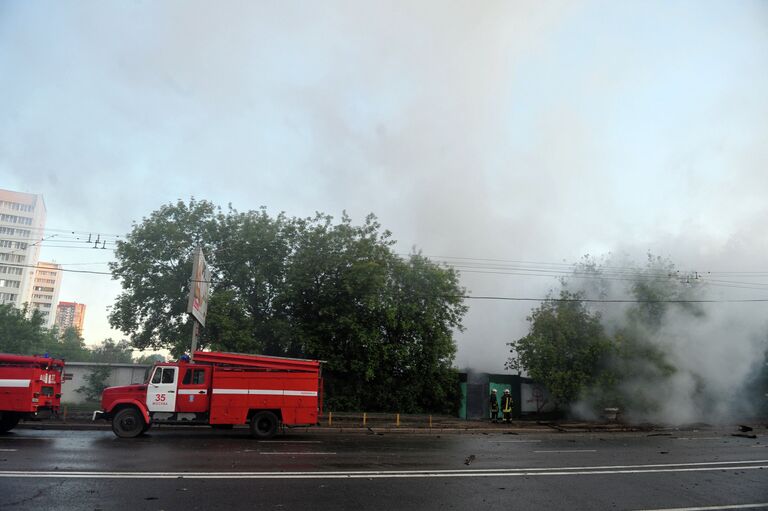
pixel 263 425
pixel 128 423
pixel 8 421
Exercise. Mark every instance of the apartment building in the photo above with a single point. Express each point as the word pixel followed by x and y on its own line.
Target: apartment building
pixel 70 314
pixel 45 290
pixel 22 220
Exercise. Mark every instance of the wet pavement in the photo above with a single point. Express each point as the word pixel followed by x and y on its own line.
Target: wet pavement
pixel 206 469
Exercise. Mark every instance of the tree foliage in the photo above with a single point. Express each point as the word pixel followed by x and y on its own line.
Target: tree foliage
pixel 565 349
pixel 70 345
pixel 23 332
pixel 95 383
pixel 305 287
pixel 577 353
pixel 110 351
pixel 149 359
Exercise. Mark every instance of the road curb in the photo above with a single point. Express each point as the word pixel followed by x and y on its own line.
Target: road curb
pixel 533 428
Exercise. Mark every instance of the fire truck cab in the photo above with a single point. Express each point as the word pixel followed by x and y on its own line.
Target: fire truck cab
pixel 220 390
pixel 30 388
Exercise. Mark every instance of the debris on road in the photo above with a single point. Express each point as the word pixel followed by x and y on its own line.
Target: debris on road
pixel 550 425
pixel 744 435
pixel 469 459
pixel 744 429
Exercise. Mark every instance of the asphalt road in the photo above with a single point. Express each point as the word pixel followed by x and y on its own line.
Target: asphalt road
pixel 205 469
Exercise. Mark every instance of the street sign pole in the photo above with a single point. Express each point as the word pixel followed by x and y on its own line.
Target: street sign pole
pixel 195 333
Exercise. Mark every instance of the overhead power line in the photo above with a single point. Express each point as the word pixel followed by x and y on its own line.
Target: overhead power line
pixel 486 297
pixel 67 231
pixel 563 266
pixel 80 247
pixel 56 269
pixel 597 300
pixel 633 278
pixel 76 239
pixel 84 264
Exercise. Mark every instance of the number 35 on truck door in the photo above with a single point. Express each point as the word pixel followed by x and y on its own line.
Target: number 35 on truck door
pixel 161 394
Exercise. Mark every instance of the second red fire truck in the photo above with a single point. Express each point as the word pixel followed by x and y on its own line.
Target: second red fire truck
pixel 220 390
pixel 30 388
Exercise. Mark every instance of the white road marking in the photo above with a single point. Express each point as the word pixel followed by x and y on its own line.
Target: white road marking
pixel 27 438
pixel 700 438
pixel 515 441
pixel 289 442
pixel 350 475
pixel 8 450
pixel 404 474
pixel 296 453
pixel 708 508
pixel 570 450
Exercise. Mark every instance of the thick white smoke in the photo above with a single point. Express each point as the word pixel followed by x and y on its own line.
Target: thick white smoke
pixel 716 348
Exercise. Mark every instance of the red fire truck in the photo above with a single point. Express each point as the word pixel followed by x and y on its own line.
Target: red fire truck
pixel 220 390
pixel 30 387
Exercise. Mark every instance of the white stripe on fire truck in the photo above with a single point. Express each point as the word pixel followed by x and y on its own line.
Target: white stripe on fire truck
pixel 266 392
pixel 193 391
pixel 14 383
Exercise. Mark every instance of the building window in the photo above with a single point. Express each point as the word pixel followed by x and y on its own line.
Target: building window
pixel 15 219
pixel 12 231
pixel 15 206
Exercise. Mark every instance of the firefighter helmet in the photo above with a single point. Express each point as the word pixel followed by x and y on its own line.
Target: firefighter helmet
pixel 506 391
pixel 494 391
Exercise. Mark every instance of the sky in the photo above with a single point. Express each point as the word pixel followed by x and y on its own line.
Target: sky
pixel 507 131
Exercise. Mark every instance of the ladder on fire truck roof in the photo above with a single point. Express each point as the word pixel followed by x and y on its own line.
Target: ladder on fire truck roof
pixel 260 361
pixel 27 360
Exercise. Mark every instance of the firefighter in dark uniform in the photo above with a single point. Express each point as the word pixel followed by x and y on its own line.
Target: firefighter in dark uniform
pixel 506 405
pixel 494 407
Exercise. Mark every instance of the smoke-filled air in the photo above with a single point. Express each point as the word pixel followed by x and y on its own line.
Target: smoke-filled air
pixel 667 346
pixel 502 139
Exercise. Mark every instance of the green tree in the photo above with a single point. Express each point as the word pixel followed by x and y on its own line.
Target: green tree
pixel 23 332
pixel 307 287
pixel 660 290
pixel 95 383
pixel 566 348
pixel 112 352
pixel 154 265
pixel 422 310
pixel 70 346
pixel 149 359
pixel 249 308
pixel 578 354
